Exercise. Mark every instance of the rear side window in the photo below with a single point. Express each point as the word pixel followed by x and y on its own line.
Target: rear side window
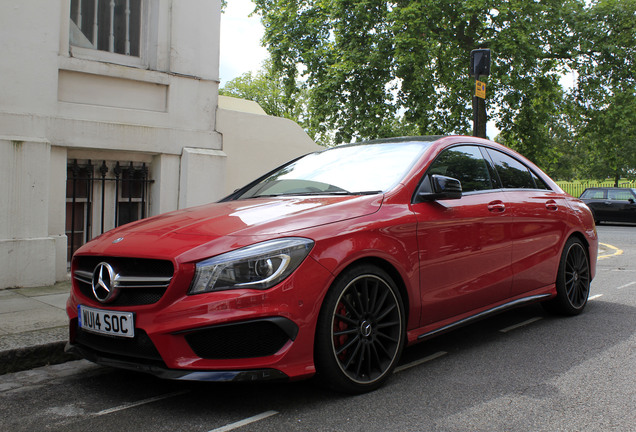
pixel 466 164
pixel 512 173
pixel 622 195
pixel 539 184
pixel 593 194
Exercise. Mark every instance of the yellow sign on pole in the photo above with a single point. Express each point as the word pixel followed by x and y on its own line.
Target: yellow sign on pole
pixel 480 89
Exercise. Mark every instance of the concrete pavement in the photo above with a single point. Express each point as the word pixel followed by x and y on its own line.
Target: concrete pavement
pixel 33 327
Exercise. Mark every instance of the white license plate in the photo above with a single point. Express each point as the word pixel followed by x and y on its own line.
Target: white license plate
pixel 113 323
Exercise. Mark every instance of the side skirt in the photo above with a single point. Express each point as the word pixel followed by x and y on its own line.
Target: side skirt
pixel 481 315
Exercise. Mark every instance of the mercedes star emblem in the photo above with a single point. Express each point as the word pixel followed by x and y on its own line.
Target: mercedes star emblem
pixel 104 287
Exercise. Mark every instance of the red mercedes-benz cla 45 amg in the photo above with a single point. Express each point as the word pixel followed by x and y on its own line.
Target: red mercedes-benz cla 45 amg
pixel 331 264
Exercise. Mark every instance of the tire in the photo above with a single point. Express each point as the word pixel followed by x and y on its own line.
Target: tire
pixel 573 280
pixel 360 331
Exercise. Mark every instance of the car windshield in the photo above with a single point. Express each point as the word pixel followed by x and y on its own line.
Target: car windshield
pixel 346 170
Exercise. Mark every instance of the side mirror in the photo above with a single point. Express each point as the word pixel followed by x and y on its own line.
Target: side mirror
pixel 440 188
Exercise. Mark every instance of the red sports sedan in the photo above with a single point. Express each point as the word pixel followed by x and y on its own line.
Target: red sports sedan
pixel 331 264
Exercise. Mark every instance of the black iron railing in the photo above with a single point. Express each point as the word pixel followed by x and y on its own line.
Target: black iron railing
pixel 122 187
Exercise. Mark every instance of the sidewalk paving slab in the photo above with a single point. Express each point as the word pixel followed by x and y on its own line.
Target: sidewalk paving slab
pixel 33 327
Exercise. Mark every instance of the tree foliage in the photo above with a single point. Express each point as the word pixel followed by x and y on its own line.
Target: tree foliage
pixel 263 87
pixel 266 87
pixel 377 68
pixel 605 96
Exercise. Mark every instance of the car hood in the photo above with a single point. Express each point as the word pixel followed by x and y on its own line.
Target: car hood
pixel 171 234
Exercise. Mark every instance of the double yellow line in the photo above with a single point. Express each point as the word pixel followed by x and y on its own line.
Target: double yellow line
pixel 614 251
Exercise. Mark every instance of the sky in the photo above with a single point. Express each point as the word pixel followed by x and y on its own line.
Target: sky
pixel 241 49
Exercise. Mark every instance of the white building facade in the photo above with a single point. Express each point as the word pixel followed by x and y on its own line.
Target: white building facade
pixel 109 112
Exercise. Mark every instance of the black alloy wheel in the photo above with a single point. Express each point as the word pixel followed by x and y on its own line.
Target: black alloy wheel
pixel 573 279
pixel 360 332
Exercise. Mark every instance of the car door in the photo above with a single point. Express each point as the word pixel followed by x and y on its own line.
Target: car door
pixel 539 224
pixel 464 244
pixel 620 206
pixel 595 199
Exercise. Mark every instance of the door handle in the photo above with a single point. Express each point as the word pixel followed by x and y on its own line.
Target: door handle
pixel 551 205
pixel 496 207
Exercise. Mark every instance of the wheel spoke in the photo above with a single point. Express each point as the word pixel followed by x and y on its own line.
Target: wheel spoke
pixel 385 351
pixel 367 360
pixel 346 346
pixel 363 294
pixel 389 338
pixel 356 353
pixel 373 349
pixel 359 362
pixel 387 311
pixel 390 324
pixel 346 332
pixel 373 296
pixel 346 319
pixel 380 303
pixel 351 308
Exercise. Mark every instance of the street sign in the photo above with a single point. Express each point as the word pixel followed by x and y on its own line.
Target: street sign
pixel 480 89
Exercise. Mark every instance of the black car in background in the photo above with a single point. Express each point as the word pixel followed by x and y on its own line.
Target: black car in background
pixel 609 204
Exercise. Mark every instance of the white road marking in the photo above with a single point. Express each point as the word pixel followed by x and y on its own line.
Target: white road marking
pixel 419 362
pixel 594 297
pixel 138 403
pixel 521 324
pixel 244 422
pixel 626 285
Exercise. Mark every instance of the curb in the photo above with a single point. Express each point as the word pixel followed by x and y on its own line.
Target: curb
pixel 15 360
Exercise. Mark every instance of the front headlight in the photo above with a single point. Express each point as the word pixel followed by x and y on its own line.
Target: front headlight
pixel 259 266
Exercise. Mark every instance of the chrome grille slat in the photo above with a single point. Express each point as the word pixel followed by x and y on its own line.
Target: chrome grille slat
pixel 84 276
pixel 139 281
pixel 142 281
pixel 128 281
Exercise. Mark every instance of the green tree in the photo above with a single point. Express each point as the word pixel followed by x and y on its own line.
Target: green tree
pixel 372 68
pixel 605 96
pixel 263 87
pixel 377 68
pixel 267 88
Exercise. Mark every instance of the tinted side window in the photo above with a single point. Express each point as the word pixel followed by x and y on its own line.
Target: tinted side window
pixel 512 173
pixel 466 164
pixel 540 184
pixel 622 195
pixel 593 194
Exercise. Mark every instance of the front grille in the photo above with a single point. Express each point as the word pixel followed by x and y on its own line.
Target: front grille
pixel 243 340
pixel 140 281
pixel 139 347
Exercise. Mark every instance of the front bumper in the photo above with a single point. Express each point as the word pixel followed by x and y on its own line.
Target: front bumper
pixel 185 375
pixel 234 335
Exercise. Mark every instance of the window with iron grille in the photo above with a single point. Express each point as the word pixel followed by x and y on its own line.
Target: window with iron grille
pixel 107 25
pixel 103 196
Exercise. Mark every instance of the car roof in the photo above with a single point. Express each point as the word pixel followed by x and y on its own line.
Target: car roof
pixel 608 187
pixel 422 138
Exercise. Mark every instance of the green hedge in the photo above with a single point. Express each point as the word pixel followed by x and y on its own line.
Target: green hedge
pixel 577 187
